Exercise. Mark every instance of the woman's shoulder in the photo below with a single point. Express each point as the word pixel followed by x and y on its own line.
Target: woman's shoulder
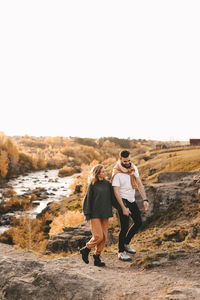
pixel 107 182
pixel 103 182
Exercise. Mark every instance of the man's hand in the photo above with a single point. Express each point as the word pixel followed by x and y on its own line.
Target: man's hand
pixel 126 211
pixel 146 205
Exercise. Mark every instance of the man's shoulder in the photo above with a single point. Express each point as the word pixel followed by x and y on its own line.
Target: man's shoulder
pixel 120 176
pixel 136 171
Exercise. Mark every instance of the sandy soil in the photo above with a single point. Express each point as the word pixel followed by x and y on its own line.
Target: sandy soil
pixel 178 279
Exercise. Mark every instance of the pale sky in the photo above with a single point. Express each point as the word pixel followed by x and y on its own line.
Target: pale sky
pixel 100 68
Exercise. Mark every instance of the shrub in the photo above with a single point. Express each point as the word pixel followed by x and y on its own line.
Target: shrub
pixel 26 163
pixel 4 162
pixel 7 193
pixel 68 171
pixel 70 218
pixel 8 157
pixel 26 233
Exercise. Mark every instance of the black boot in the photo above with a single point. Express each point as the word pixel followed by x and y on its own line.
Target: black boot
pixel 85 252
pixel 97 261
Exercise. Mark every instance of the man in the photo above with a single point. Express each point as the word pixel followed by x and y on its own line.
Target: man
pixel 125 179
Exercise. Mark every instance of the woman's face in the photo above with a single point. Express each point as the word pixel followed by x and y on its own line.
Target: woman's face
pixel 102 175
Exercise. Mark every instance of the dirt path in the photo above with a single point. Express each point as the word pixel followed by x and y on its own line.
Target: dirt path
pixel 175 279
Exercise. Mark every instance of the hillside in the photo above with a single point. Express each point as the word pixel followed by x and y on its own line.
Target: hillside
pixel 173 159
pixel 19 155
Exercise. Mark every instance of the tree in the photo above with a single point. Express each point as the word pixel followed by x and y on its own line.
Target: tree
pixel 4 161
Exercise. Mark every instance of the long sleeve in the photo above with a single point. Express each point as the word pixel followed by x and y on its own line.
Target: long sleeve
pixel 87 203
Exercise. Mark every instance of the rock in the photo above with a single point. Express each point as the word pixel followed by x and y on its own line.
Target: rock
pixel 48 221
pixel 24 278
pixel 78 189
pixel 165 196
pixel 174 176
pixel 72 239
pixel 5 220
pixel 43 212
pixel 146 158
pixel 194 232
pixel 182 292
pixel 152 171
pixel 175 235
pixel 36 203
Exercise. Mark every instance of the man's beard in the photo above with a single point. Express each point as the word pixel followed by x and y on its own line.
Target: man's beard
pixel 126 166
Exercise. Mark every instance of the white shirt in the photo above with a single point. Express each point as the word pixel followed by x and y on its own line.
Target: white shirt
pixel 123 181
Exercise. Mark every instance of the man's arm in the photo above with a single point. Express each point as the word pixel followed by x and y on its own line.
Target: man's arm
pixel 142 193
pixel 125 210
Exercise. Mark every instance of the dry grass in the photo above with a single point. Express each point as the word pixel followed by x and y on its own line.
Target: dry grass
pixel 68 171
pixel 187 159
pixel 14 204
pixel 27 234
pixel 70 218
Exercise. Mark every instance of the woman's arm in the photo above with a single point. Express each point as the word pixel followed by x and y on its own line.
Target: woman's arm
pixel 87 203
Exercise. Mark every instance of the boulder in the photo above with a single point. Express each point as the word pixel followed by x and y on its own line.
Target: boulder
pixel 174 176
pixel 5 220
pixel 23 277
pixel 73 238
pixel 36 203
pixel 174 190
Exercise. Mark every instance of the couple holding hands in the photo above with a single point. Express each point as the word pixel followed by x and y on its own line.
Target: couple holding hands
pixel 98 202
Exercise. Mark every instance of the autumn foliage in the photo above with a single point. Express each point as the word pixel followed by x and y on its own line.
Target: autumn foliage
pixel 26 233
pixel 70 218
pixel 8 156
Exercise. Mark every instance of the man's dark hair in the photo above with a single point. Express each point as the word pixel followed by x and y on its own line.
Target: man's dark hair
pixel 124 153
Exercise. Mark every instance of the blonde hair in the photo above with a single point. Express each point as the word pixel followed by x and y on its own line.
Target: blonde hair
pixel 93 177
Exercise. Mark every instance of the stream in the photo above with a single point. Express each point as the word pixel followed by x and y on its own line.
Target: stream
pixel 56 187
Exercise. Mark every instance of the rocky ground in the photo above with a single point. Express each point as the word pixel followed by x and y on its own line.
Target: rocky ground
pixel 25 276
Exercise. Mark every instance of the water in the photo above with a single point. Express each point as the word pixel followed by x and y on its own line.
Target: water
pixel 57 188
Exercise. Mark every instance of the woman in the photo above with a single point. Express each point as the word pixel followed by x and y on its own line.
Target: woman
pixel 97 208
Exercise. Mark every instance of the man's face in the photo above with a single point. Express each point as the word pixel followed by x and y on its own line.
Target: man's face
pixel 126 161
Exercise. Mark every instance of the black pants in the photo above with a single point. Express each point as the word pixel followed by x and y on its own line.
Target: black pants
pixel 127 233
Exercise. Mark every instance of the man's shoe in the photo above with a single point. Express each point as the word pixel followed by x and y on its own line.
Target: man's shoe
pixel 97 261
pixel 123 256
pixel 85 252
pixel 128 249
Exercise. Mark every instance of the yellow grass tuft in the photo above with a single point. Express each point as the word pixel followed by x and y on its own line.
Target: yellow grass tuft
pixel 70 218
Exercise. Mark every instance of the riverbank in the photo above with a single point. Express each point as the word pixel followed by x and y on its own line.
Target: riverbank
pixel 46 187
